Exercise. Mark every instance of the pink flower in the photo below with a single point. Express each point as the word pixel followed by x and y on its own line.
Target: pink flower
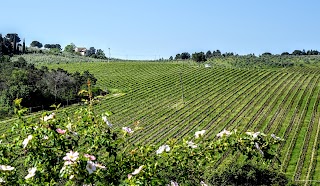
pixel 71 156
pixel 100 166
pixel 191 144
pixel 173 183
pixel 104 118
pixel 91 157
pixel 6 168
pixel 26 141
pixel 224 133
pixel 199 133
pixel 60 131
pixel 91 167
pixel 203 184
pixel 258 147
pixel 51 116
pixel 163 148
pixel 127 130
pixel 135 172
pixel 68 162
pixel 31 172
pixel 275 137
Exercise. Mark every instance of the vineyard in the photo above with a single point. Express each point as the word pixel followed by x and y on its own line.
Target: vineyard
pixel 173 100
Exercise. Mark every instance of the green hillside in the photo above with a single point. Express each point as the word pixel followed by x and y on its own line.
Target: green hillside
pixel 42 59
pixel 172 100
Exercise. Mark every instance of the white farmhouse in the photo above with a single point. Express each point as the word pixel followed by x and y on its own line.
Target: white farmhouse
pixel 81 50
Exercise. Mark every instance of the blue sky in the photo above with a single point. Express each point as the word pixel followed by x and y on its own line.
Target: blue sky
pixel 149 29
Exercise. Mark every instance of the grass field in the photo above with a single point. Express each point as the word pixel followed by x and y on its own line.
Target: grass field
pixel 172 100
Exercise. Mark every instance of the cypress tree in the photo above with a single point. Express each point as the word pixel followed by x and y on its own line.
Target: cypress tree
pixel 1 45
pixel 24 46
pixel 14 44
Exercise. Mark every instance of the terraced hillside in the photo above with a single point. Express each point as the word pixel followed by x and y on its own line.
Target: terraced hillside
pixel 173 100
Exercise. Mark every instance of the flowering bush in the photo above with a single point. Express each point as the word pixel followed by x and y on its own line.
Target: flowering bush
pixel 83 148
pixel 73 149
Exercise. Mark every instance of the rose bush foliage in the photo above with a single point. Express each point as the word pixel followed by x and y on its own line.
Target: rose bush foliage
pixel 82 148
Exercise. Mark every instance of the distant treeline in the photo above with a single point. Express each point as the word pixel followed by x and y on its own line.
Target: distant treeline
pixel 201 56
pixel 10 45
pixel 39 88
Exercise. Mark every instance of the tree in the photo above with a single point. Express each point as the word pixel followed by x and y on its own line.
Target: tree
pixel 50 46
pixel 91 51
pixel 178 56
pixel 185 55
pixel 208 54
pixel 199 57
pixel 36 44
pixel 38 86
pixel 14 39
pixel 87 75
pixel 70 48
pixel 17 84
pixel 266 54
pixel 100 54
pixel 6 47
pixel 78 81
pixel 170 58
pixel 59 82
pixel 285 53
pixel 1 45
pixel 297 52
pixel 216 53
pixel 55 51
pixel 227 54
pixel 24 46
pixel 313 52
pixel 58 46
